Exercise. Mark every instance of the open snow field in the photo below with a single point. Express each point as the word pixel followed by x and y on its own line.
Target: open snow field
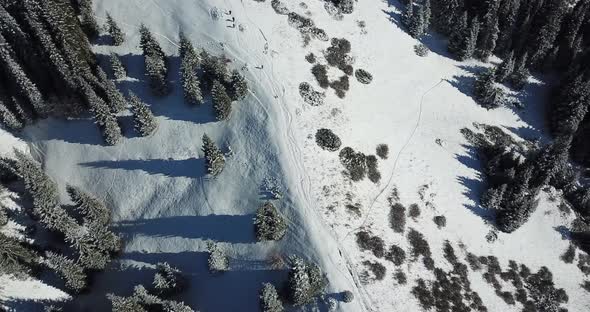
pixel 166 207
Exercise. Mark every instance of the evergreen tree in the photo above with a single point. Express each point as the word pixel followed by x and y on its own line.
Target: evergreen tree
pixel 269 299
pixel 269 224
pixel 8 119
pixel 299 284
pixel 88 20
pixel 518 203
pixel 505 68
pixel 507 15
pixel 427 14
pixel 238 87
pixel 468 49
pixel 143 118
pixel 221 101
pixel 458 35
pixel 168 280
pixel 521 74
pixel 190 81
pixel 570 107
pixel 114 31
pixel 214 68
pixel 125 304
pixel 89 206
pixel 488 35
pixel 156 66
pixel 485 91
pixel 15 257
pixel 71 272
pixel 117 67
pixel 215 161
pixel 446 15
pixel 218 261
pixel 417 23
pixel 115 99
pixel 187 50
pixel 549 24
pixel 106 120
pixel 570 43
pixel 492 197
pixel 408 15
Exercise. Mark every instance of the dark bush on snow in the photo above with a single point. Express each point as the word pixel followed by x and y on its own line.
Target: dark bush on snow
pixel 396 255
pixel 310 58
pixel 428 263
pixel 375 244
pixel 440 221
pixel 319 34
pixel 336 54
pixel 354 162
pixel 382 151
pixel 340 86
pixel 419 244
pixel 279 7
pixel 400 277
pixel 347 296
pixel 373 172
pixel 321 75
pixel 363 76
pixel 310 96
pixel 377 268
pixel 397 217
pixel 414 211
pixel 327 140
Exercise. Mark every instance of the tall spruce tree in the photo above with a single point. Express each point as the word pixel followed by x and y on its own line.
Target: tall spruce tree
pixel 143 118
pixel 88 20
pixel 9 119
pixel 221 101
pixel 488 35
pixel 89 206
pixel 115 99
pixel 520 76
pixel 470 45
pixel 446 14
pixel 218 260
pixel 505 68
pixel 156 65
pixel 67 269
pixel 188 75
pixel 570 107
pixel 269 224
pixel 106 120
pixel 458 34
pixel 507 15
pixel 115 32
pixel 417 23
pixel 16 258
pixel 238 87
pixel 546 28
pixel 214 159
pixel 117 67
pixel 485 91
pixel 269 299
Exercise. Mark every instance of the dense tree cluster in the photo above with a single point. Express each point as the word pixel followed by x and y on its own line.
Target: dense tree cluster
pixel 144 300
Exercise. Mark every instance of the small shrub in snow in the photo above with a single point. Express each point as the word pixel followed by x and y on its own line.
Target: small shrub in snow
pixel 70 271
pixel 397 217
pixel 375 244
pixel 428 263
pixel 421 50
pixel 414 211
pixel 168 280
pixel 400 277
pixel 119 71
pixel 348 296
pixel 363 76
pixel 419 244
pixel 221 101
pixel 319 34
pixel 336 54
pixel 473 261
pixel 340 86
pixel 327 140
pixel 382 151
pixel 376 268
pixel 143 118
pixel 449 253
pixel 310 96
pixel 396 255
pixel 279 7
pixel 269 299
pixel 269 224
pixel 354 162
pixel 214 159
pixel 218 261
pixel 440 221
pixel 569 255
pixel 373 172
pixel 586 286
pixel 114 31
pixel 306 281
pixel 320 73
pixel 310 58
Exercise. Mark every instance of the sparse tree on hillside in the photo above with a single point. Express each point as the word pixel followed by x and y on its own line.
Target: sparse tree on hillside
pixel 117 67
pixel 238 86
pixel 88 20
pixel 221 101
pixel 471 41
pixel 269 299
pixel 458 34
pixel 71 272
pixel 190 82
pixel 485 91
pixel 89 206
pixel 488 36
pixel 505 68
pixel 106 120
pixel 218 261
pixel 115 99
pixel 215 161
pixel 168 280
pixel 156 66
pixel 408 14
pixel 269 224
pixel 520 76
pixel 116 33
pixel 143 118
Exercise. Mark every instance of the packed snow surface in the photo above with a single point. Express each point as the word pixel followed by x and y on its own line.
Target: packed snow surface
pixel 167 208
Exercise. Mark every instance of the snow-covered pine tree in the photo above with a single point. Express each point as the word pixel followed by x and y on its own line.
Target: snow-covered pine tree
pixel 88 20
pixel 238 87
pixel 317 280
pixel 458 34
pixel 8 119
pixel 505 69
pixel 417 23
pixel 156 66
pixel 115 99
pixel 571 107
pixel 218 261
pixel 190 82
pixel 89 206
pixel 446 14
pixel 175 306
pixel 518 202
pixel 485 91
pixel 106 120
pixel 427 14
pixel 507 15
pixel 470 40
pixel 520 75
pixel 125 304
pixel 408 15
pixel 492 197
pixel 16 258
pixel 269 299
pixel 214 68
pixel 488 35
pixel 114 31
pixel 20 81
pixel 168 280
pixel 268 223
pixel 117 67
pixel 221 101
pixel 187 50
pixel 214 159
pixel 143 118
pixel 543 37
pixel 299 283
pixel 3 212
pixel 67 269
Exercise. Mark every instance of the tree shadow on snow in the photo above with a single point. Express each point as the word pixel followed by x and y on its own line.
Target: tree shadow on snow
pixel 474 187
pixel 171 106
pixel 220 228
pixel 173 168
pixel 76 131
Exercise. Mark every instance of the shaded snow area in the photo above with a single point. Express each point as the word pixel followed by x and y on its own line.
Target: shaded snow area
pixel 166 207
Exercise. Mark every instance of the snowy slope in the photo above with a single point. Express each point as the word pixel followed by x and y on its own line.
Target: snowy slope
pixel 167 208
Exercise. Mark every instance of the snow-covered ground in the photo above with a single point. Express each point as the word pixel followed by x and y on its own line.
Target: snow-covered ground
pixel 167 208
